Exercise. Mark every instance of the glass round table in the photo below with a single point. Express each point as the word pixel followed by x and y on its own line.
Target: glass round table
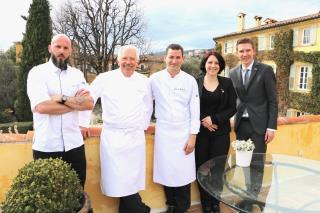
pixel 272 183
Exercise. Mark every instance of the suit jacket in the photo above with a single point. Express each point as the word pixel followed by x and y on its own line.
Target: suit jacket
pixel 260 97
pixel 227 106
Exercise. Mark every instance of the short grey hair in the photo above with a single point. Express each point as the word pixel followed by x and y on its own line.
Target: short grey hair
pixel 122 49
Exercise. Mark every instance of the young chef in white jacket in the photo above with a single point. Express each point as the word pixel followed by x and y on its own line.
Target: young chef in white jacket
pixel 177 113
pixel 126 110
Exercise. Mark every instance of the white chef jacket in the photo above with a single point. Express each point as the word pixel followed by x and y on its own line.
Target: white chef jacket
pixel 177 111
pixel 54 133
pixel 126 111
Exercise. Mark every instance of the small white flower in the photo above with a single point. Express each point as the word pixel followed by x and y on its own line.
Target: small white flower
pixel 243 145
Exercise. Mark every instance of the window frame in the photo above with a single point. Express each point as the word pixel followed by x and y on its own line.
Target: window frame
pixel 228 47
pixel 306 39
pixel 303 78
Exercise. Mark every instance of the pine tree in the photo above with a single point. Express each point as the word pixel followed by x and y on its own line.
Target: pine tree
pixel 35 51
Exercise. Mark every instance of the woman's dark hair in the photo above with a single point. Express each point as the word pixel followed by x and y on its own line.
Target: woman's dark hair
pixel 220 59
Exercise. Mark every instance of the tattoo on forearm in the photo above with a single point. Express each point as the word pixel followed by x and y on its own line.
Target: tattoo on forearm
pixel 79 99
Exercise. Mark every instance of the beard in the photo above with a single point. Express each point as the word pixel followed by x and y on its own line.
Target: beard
pixel 60 63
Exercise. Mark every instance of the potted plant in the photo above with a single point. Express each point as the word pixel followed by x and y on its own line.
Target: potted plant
pixel 244 150
pixel 46 186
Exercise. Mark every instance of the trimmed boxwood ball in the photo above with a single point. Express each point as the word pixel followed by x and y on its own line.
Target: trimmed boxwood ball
pixel 44 186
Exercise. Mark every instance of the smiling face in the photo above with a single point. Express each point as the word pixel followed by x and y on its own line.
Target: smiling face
pixel 212 66
pixel 174 60
pixel 128 62
pixel 246 53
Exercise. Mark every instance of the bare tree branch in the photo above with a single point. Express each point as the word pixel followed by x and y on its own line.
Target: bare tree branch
pixel 99 27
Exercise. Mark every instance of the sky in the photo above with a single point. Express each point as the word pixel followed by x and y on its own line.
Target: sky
pixel 191 23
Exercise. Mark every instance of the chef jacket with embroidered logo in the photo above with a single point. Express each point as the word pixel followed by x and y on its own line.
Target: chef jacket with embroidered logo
pixel 177 111
pixel 177 99
pixel 126 102
pixel 126 111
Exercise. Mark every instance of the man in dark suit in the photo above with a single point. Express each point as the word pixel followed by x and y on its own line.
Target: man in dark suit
pixel 257 109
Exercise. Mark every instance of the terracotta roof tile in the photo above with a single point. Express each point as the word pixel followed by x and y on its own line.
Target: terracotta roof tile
pixel 273 25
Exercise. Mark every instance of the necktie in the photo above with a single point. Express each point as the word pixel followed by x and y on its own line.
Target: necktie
pixel 246 78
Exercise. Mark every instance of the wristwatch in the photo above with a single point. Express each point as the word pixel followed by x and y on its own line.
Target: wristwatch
pixel 63 99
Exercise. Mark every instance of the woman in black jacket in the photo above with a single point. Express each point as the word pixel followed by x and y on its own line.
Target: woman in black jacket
pixel 217 106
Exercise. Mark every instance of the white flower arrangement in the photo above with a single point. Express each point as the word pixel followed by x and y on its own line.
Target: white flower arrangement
pixel 243 145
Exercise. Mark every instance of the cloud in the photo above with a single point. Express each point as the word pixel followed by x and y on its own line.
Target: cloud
pixel 192 23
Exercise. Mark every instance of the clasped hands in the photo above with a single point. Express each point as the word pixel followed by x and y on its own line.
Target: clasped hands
pixel 207 122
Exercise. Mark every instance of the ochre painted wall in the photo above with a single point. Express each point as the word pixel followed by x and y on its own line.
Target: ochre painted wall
pixel 13 155
pixel 152 196
pixel 302 139
pixel 299 139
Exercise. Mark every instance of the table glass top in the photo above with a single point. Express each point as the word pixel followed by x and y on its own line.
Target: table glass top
pixel 272 183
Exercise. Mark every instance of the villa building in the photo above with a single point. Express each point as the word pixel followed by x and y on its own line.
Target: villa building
pixel 305 40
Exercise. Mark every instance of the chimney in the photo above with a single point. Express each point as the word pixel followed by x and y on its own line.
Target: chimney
pixel 241 22
pixel 269 21
pixel 258 20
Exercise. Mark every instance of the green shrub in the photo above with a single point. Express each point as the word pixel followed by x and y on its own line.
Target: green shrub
pixel 7 117
pixel 44 186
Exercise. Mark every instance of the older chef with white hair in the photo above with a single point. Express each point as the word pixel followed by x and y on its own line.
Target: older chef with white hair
pixel 126 110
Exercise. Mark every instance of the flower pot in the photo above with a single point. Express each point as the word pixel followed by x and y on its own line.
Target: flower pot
pixel 86 208
pixel 243 158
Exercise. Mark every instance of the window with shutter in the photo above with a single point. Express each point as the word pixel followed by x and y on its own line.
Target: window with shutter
pixel 300 113
pixel 228 47
pixel 306 36
pixel 225 47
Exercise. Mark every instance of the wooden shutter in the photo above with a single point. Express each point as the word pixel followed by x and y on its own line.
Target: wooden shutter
pixel 291 83
pixel 309 82
pixel 295 37
pixel 313 32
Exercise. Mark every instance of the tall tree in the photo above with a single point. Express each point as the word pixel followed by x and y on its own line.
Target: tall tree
pixel 99 27
pixel 35 51
pixel 8 81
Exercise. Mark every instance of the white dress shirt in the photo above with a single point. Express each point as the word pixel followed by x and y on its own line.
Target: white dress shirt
pixel 243 72
pixel 54 133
